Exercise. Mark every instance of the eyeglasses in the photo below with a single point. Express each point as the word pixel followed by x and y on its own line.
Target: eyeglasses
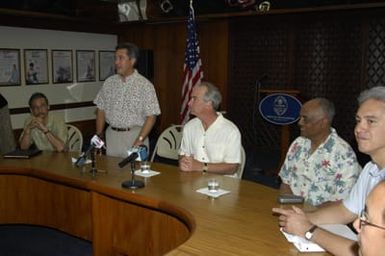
pixel 364 221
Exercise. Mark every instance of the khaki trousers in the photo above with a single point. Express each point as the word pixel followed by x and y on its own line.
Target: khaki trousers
pixel 119 142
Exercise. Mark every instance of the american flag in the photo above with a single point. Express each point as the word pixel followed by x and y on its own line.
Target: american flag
pixel 192 68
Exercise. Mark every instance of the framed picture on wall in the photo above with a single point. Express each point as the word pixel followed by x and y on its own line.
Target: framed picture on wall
pixel 9 67
pixel 36 66
pixel 85 66
pixel 62 66
pixel 106 64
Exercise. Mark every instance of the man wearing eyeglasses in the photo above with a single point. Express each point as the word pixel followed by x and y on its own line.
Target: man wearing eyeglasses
pixel 319 166
pixel 371 224
pixel 370 136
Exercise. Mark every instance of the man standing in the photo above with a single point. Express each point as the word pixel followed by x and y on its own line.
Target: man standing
pixel 370 136
pixel 128 103
pixel 44 129
pixel 319 165
pixel 210 143
pixel 371 224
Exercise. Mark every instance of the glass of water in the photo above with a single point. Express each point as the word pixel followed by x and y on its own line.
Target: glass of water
pixel 145 167
pixel 213 185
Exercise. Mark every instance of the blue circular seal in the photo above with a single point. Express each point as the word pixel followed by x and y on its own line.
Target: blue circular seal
pixel 280 108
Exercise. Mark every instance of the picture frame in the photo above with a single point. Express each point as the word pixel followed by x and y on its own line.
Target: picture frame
pixel 36 66
pixel 106 64
pixel 62 68
pixel 9 67
pixel 85 66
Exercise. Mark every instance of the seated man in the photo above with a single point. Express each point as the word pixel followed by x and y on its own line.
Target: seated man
pixel 44 129
pixel 7 138
pixel 210 142
pixel 370 136
pixel 319 165
pixel 371 224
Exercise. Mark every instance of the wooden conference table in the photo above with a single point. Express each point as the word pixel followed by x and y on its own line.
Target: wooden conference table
pixel 167 216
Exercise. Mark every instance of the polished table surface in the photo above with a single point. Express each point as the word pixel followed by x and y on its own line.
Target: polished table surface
pixel 239 223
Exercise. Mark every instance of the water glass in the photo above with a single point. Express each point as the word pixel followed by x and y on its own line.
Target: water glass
pixel 145 167
pixel 213 185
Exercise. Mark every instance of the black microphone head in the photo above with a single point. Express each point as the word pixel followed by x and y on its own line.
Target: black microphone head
pixel 128 159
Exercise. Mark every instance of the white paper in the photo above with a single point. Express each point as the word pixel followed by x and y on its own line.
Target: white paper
pixel 88 161
pixel 218 193
pixel 304 245
pixel 146 174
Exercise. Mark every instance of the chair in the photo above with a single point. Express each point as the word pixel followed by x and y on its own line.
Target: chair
pixel 74 138
pixel 168 143
pixel 238 174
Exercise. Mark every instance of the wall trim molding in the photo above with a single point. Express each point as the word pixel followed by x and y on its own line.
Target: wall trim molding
pixel 14 111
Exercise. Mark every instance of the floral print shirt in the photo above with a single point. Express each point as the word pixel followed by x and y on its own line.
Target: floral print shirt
pixel 328 174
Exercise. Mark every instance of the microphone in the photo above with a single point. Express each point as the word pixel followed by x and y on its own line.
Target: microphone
pixel 96 142
pixel 138 153
pixel 128 159
pixel 259 81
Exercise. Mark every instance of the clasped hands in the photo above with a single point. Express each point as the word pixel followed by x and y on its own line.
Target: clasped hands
pixel 293 221
pixel 187 163
pixel 37 123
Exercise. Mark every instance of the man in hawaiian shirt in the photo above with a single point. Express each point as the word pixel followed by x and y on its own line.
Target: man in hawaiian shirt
pixel 319 165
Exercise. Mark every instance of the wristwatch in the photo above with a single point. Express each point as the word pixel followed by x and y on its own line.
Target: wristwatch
pixel 205 167
pixel 310 232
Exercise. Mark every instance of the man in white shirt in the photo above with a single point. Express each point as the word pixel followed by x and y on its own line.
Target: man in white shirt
pixel 210 143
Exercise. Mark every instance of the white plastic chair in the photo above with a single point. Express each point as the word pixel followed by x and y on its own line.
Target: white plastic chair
pixel 168 143
pixel 238 174
pixel 74 138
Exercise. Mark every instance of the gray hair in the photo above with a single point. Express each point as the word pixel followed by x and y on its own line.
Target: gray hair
pixel 327 107
pixel 375 93
pixel 212 95
pixel 132 50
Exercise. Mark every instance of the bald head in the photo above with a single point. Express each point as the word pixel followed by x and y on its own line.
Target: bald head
pixel 376 202
pixel 324 107
pixel 371 237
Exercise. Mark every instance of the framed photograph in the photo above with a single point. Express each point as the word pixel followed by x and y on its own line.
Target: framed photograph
pixel 106 64
pixel 9 67
pixel 85 66
pixel 62 66
pixel 36 66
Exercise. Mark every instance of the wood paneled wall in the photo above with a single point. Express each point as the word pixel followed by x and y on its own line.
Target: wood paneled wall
pixel 168 42
pixel 333 54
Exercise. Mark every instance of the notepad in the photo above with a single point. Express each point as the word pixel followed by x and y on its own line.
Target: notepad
pixel 218 193
pixel 304 245
pixel 22 154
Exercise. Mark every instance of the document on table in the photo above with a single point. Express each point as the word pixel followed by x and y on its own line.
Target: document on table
pixel 304 245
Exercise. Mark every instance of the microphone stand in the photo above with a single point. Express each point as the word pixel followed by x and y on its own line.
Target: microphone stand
pixel 133 184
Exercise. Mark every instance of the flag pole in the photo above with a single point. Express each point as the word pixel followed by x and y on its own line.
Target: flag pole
pixel 192 68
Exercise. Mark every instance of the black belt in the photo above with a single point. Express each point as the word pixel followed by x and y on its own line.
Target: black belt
pixel 120 129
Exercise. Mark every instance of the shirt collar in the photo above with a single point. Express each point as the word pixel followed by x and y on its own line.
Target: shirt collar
pixel 375 171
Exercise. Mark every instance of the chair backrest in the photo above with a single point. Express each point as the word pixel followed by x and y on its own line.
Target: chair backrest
pixel 168 143
pixel 74 138
pixel 238 174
